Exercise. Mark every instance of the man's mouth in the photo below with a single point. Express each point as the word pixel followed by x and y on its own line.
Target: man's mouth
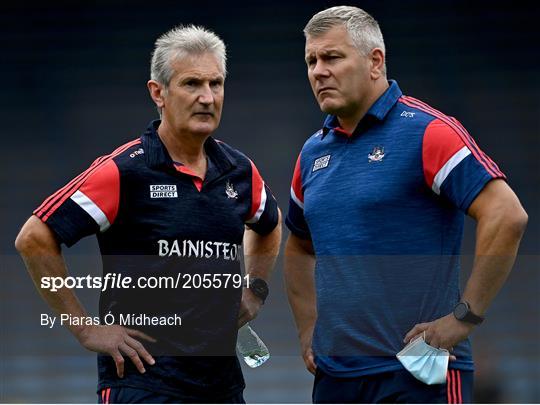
pixel 322 89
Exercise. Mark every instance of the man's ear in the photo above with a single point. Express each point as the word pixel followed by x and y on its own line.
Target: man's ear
pixel 157 92
pixel 377 63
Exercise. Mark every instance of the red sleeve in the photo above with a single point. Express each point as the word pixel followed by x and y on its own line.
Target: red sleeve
pixel 297 194
pixel 445 145
pixel 87 204
pixel 295 219
pixel 258 195
pixel 99 196
pixel 263 213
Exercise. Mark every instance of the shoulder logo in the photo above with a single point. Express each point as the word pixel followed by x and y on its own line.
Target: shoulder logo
pixel 321 163
pixel 377 155
pixel 407 114
pixel 163 191
pixel 230 191
pixel 139 151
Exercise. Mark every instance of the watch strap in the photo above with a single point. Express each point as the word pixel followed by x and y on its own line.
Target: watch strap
pixel 468 316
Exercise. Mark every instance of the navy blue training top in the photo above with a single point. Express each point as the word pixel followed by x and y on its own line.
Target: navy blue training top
pixel 384 208
pixel 153 217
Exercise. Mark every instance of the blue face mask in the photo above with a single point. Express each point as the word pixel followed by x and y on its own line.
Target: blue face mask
pixel 425 362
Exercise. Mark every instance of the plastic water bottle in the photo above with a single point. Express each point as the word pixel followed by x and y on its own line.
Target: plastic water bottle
pixel 251 347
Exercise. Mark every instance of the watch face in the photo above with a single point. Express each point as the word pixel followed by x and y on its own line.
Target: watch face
pixel 258 285
pixel 461 310
pixel 260 288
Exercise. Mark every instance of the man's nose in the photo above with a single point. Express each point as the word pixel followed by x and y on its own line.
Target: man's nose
pixel 320 70
pixel 206 96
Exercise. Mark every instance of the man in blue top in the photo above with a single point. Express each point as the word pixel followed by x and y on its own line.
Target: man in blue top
pixel 172 204
pixel 376 215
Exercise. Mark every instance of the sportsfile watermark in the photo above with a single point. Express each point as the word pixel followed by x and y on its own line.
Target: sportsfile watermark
pixel 430 296
pixel 117 280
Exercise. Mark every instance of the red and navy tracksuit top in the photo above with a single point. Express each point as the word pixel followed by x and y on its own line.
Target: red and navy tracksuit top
pixel 153 217
pixel 384 208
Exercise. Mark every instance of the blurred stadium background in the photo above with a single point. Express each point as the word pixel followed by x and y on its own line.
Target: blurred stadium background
pixel 74 88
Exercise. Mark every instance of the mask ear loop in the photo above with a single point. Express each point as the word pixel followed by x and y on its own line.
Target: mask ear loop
pixel 424 336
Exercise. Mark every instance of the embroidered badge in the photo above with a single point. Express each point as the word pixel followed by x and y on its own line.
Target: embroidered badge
pixel 377 155
pixel 230 191
pixel 321 163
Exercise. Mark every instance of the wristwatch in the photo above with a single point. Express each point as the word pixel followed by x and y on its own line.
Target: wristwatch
pixel 259 287
pixel 462 312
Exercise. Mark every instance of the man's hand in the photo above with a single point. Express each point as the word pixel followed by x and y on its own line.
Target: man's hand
pixel 443 333
pixel 249 307
pixel 117 341
pixel 307 354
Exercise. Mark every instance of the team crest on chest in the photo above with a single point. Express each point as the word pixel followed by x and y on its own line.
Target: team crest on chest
pixel 377 155
pixel 230 191
pixel 321 163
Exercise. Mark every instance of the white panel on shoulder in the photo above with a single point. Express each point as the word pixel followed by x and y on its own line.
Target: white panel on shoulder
pixel 296 199
pixel 260 210
pixel 92 209
pixel 443 173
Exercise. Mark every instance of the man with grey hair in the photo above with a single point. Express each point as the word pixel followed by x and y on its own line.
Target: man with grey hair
pixel 376 215
pixel 173 205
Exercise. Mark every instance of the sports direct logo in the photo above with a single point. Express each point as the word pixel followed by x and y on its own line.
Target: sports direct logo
pixel 163 191
pixel 321 163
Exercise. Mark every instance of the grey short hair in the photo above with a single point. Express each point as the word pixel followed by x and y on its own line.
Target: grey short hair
pixel 180 42
pixel 363 29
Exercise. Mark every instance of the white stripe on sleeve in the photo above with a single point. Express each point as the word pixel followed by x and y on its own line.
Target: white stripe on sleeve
pixel 443 173
pixel 92 209
pixel 259 212
pixel 296 199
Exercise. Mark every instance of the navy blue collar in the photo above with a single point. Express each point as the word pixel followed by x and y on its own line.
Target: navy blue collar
pixel 378 111
pixel 157 156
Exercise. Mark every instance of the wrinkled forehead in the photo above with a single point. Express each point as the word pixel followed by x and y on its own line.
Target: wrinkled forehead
pixel 204 65
pixel 336 37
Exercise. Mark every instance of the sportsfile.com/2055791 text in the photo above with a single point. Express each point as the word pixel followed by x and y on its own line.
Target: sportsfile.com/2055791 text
pixel 116 280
